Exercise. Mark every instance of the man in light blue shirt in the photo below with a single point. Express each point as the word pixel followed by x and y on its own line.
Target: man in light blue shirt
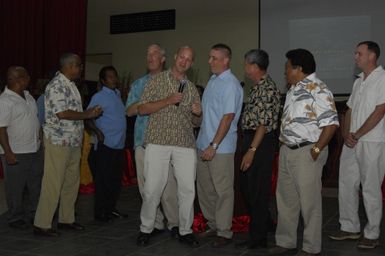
pixel 217 139
pixel 156 58
pixel 106 158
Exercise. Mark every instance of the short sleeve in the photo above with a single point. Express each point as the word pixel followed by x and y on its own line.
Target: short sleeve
pixel 325 108
pixel 56 98
pixel 381 91
pixel 133 95
pixel 5 113
pixel 230 98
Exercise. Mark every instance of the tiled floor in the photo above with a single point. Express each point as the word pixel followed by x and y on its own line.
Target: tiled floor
pixel 118 238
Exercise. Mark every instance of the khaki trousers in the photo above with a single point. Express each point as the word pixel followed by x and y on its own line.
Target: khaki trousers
pixel 299 191
pixel 215 187
pixel 157 162
pixel 60 184
pixel 169 199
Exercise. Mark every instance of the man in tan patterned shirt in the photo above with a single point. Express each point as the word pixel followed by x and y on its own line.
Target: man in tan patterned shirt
pixel 174 107
pixel 309 121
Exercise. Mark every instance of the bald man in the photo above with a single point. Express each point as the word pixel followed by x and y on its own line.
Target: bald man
pixel 19 151
pixel 63 136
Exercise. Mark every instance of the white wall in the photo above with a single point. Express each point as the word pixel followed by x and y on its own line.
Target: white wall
pixel 199 23
pixel 330 29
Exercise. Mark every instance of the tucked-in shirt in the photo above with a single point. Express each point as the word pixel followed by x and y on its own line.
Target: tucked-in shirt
pixel 61 94
pixel 171 125
pixel 366 95
pixel 134 96
pixel 262 106
pixel 112 122
pixel 309 107
pixel 19 116
pixel 223 95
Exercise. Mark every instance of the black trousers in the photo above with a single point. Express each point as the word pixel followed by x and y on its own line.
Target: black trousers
pixel 106 168
pixel 256 184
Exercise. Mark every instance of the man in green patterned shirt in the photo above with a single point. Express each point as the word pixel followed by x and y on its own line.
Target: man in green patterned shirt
pixel 172 101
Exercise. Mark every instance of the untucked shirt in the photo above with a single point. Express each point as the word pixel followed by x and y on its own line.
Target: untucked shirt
pixel 141 121
pixel 171 125
pixel 366 95
pixel 62 94
pixel 309 107
pixel 263 106
pixel 112 122
pixel 223 95
pixel 19 116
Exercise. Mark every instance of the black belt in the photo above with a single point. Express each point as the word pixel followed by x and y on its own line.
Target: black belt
pixel 300 145
pixel 250 131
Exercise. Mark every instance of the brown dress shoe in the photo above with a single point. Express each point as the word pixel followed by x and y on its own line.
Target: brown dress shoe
pixel 45 232
pixel 221 241
pixel 71 226
pixel 207 233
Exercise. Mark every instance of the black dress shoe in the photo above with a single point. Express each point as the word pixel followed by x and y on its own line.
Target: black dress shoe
pixel 45 232
pixel 174 232
pixel 143 239
pixel 189 239
pixel 157 231
pixel 70 226
pixel 116 214
pixel 104 218
pixel 19 224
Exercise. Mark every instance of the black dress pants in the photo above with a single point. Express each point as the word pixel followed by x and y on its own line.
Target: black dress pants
pixel 106 168
pixel 256 184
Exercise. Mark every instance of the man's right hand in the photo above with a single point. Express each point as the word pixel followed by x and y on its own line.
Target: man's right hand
pixel 100 136
pixel 93 112
pixel 10 157
pixel 350 141
pixel 174 98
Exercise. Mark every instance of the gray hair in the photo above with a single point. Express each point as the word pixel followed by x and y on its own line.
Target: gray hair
pixel 68 58
pixel 162 50
pixel 258 57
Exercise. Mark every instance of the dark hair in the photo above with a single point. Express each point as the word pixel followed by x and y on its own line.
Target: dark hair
pixel 302 58
pixel 222 47
pixel 372 46
pixel 103 72
pixel 258 57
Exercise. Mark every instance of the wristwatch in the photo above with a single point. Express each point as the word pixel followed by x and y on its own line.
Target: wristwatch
pixel 214 145
pixel 316 149
pixel 251 148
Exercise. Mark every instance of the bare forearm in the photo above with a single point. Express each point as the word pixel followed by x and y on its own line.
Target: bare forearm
pixel 152 107
pixel 326 135
pixel 223 128
pixel 132 110
pixel 258 136
pixel 72 115
pixel 4 140
pixel 371 122
pixel 346 124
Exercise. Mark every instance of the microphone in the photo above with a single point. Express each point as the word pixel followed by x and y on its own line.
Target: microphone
pixel 182 84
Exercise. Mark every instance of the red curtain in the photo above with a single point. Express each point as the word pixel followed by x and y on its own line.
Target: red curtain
pixel 34 33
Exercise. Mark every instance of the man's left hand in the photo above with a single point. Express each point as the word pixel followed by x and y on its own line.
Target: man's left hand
pixel 313 154
pixel 196 108
pixel 208 154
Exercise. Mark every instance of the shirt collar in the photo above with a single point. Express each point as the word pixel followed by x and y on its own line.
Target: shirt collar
pixel 222 75
pixel 377 69
pixel 60 75
pixel 10 92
